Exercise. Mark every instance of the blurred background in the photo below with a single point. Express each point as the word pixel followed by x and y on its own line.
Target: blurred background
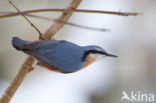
pixel 133 39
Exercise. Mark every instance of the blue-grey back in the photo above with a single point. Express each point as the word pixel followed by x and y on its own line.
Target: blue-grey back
pixel 62 55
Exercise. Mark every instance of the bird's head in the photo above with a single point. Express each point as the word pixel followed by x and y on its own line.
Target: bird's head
pixel 94 53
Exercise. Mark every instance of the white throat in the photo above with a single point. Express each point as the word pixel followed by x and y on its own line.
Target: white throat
pixel 97 56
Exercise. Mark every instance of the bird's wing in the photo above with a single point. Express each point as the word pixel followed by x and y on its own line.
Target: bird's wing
pixel 46 61
pixel 39 44
pixel 47 67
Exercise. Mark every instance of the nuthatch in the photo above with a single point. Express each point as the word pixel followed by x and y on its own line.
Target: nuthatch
pixel 60 55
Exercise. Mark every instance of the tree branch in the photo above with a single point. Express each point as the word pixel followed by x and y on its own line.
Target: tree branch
pixel 68 23
pixel 10 14
pixel 27 65
pixel 18 10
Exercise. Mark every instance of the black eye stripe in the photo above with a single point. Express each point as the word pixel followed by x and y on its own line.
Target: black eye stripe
pixel 85 55
pixel 97 52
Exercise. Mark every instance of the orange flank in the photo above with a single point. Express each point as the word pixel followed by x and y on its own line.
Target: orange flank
pixel 88 61
pixel 47 67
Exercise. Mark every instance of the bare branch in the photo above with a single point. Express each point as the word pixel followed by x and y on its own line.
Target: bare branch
pixel 27 65
pixel 68 23
pixel 10 14
pixel 40 34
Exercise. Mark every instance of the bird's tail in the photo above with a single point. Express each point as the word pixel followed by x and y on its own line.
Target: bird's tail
pixel 18 43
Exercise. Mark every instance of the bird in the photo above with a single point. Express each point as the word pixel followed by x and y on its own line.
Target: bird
pixel 60 55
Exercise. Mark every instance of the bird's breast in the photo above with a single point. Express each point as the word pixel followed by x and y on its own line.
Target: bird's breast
pixel 88 61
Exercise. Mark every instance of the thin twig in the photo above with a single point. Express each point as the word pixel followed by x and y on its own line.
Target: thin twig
pixel 53 29
pixel 68 23
pixel 10 14
pixel 40 34
pixel 25 68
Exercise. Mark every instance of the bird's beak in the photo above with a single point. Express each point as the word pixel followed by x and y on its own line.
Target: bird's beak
pixel 111 55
